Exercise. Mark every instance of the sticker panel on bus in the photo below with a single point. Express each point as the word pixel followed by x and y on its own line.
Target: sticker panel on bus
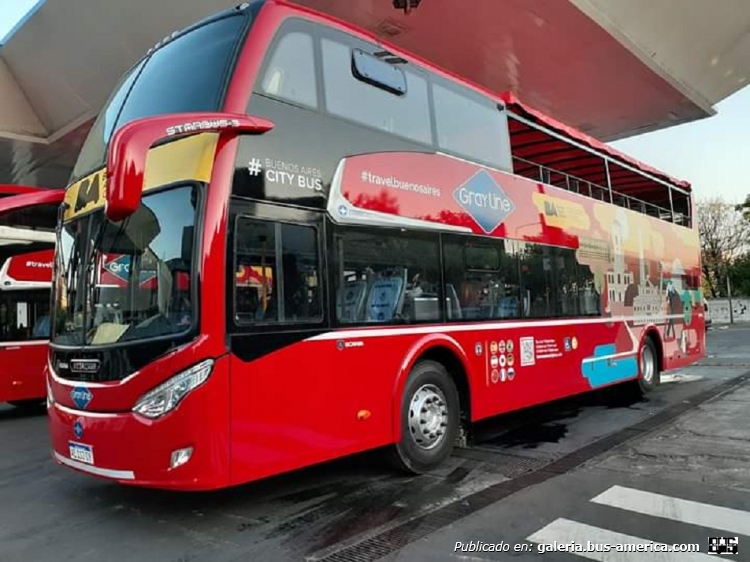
pixel 81 452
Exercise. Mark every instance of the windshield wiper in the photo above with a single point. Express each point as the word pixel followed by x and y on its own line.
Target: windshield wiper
pixel 59 260
pixel 71 270
pixel 89 282
pixel 58 232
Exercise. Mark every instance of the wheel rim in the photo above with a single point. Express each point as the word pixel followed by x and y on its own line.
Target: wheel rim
pixel 428 417
pixel 647 364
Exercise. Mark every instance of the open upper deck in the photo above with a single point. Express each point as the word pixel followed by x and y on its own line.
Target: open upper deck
pixel 552 153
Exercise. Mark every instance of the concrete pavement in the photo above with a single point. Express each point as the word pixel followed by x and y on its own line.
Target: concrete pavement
pixel 680 485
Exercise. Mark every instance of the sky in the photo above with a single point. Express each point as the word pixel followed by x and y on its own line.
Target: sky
pixel 12 13
pixel 713 154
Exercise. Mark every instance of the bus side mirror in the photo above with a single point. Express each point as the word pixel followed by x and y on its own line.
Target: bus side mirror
pixel 126 157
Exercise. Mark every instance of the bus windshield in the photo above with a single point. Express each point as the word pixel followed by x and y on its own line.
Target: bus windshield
pixel 188 73
pixel 129 280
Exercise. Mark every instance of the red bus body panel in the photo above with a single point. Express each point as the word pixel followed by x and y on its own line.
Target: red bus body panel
pixel 22 363
pixel 22 371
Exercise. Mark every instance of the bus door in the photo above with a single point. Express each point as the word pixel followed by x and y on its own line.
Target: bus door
pixel 27 243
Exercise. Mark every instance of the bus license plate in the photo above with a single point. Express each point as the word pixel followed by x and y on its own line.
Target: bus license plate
pixel 81 452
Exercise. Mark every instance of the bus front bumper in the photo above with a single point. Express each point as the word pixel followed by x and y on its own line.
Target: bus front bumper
pixel 187 449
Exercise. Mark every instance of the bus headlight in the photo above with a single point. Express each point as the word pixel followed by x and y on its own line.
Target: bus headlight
pixel 167 395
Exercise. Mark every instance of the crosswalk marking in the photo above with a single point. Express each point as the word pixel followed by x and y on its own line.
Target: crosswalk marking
pixel 566 531
pixel 733 521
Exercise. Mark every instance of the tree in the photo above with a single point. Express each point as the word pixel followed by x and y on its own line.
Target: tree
pixel 725 238
pixel 744 208
pixel 739 273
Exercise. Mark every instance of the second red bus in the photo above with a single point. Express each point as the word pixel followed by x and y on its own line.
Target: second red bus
pixel 28 216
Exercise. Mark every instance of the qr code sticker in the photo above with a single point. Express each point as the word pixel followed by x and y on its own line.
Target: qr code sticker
pixel 527 351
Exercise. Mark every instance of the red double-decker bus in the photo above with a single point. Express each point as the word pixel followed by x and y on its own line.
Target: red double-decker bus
pixel 334 246
pixel 28 216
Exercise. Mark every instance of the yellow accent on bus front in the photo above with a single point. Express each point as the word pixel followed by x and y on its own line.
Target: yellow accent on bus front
pixel 188 159
pixel 191 158
pixel 85 195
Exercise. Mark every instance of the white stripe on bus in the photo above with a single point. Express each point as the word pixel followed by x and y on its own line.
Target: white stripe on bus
pixel 623 355
pixel 106 472
pixel 24 343
pixel 367 332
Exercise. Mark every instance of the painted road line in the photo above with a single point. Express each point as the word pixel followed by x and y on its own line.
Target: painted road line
pixel 579 539
pixel 733 521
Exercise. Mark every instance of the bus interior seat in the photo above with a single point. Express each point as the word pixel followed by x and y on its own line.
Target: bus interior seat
pixel 527 303
pixel 507 307
pixel 591 302
pixel 351 309
pixel 453 305
pixel 291 87
pixel 420 305
pixel 424 306
pixel 474 305
pixel 41 327
pixel 274 81
pixel 386 296
pixel 421 308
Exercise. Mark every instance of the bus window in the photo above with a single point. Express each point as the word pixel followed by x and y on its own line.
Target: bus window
pixel 290 74
pixel 404 115
pixel 24 315
pixel 387 278
pixel 276 273
pixel 551 280
pixel 471 128
pixel 484 277
pixel 188 73
pixel 589 298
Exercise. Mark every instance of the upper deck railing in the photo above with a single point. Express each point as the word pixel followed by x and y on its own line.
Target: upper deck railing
pixel 593 190
pixel 548 151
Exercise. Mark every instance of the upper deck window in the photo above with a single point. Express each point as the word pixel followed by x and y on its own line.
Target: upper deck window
pixel 188 73
pixel 291 70
pixel 477 130
pixel 406 115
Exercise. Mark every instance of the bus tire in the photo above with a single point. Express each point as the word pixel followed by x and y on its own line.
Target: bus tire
pixel 648 366
pixel 429 419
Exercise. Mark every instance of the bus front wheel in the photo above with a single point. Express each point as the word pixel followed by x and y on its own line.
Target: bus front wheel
pixel 429 418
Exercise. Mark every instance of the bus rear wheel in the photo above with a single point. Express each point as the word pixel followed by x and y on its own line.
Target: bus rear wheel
pixel 648 365
pixel 429 419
